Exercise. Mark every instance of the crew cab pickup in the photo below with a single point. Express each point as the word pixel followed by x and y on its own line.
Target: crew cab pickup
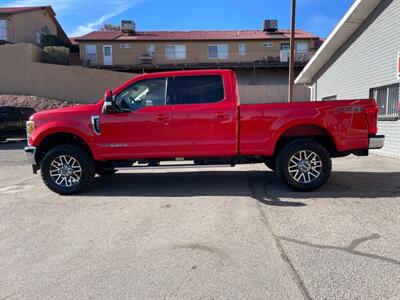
pixel 196 116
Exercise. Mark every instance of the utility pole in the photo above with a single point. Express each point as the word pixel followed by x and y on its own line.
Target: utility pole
pixel 292 53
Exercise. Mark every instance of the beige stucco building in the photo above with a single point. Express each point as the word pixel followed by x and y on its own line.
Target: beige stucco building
pixel 193 49
pixel 27 24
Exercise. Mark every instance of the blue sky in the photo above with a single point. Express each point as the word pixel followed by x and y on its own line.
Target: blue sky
pixel 82 16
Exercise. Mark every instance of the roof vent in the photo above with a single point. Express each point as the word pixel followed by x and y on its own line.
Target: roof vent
pixel 127 26
pixel 270 25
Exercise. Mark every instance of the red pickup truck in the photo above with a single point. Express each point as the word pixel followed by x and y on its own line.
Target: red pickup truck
pixel 196 116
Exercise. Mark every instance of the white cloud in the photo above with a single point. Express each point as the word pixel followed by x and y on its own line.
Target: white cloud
pixel 91 26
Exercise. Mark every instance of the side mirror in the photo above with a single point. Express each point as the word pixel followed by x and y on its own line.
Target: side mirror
pixel 109 103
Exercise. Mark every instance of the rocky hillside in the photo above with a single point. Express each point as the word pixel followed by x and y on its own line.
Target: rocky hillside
pixel 37 103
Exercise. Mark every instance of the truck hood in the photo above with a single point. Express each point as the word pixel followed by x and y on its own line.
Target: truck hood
pixel 66 112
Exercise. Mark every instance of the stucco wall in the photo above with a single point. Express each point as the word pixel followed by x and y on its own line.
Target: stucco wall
pixel 268 86
pixel 22 74
pixel 22 27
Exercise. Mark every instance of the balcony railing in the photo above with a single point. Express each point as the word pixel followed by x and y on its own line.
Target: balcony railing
pixel 226 58
pixel 300 56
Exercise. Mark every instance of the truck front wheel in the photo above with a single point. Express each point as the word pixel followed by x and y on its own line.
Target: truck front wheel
pixel 67 169
pixel 304 165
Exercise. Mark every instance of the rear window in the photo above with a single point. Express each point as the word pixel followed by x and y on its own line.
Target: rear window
pixel 196 89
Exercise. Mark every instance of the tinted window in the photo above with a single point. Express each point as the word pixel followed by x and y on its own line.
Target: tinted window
pixel 149 92
pixel 196 89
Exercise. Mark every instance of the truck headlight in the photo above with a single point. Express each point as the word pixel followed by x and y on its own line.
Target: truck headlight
pixel 30 126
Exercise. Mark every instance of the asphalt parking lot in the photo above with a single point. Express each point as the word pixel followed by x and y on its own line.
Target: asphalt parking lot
pixel 225 233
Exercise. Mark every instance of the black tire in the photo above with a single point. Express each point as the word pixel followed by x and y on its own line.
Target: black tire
pixel 87 167
pixel 105 172
pixel 317 168
pixel 2 139
pixel 270 163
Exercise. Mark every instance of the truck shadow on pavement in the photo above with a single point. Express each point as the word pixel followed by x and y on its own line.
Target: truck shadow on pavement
pixel 263 186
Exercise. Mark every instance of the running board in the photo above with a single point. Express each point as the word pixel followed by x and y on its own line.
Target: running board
pixel 172 166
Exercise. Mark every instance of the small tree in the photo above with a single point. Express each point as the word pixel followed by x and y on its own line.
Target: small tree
pixel 56 55
pixel 51 40
pixel 110 27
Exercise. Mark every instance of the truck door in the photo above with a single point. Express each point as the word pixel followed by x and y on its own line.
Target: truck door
pixel 203 116
pixel 143 128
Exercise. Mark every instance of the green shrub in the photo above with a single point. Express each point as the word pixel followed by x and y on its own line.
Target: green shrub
pixel 56 55
pixel 51 40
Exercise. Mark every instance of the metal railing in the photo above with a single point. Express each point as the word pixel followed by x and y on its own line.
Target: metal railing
pixel 188 57
pixel 300 56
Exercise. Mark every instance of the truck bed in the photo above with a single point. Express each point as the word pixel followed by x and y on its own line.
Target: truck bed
pixel 343 120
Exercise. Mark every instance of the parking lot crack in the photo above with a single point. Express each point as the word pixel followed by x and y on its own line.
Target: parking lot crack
pixel 258 191
pixel 348 249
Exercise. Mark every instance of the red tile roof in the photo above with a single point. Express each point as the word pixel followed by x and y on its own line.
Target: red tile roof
pixel 17 10
pixel 72 40
pixel 192 35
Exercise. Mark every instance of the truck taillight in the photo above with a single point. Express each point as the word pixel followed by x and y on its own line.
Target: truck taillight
pixel 372 118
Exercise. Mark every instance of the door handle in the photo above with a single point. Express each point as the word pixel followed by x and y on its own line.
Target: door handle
pixel 222 115
pixel 161 117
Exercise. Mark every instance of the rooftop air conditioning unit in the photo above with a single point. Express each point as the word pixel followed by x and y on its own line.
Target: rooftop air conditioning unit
pixel 270 25
pixel 128 26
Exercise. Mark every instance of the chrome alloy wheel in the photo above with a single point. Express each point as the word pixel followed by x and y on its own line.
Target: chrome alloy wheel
pixel 305 166
pixel 65 171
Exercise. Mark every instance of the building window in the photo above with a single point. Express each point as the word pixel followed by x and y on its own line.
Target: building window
pixel 329 98
pixel 267 45
pixel 126 46
pixel 3 30
pixel 91 54
pixel 388 101
pixel 285 46
pixel 242 49
pixel 218 51
pixel 151 50
pixel 301 47
pixel 175 52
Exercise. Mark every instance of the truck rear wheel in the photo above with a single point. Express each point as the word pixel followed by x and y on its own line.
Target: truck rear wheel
pixel 67 169
pixel 303 165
